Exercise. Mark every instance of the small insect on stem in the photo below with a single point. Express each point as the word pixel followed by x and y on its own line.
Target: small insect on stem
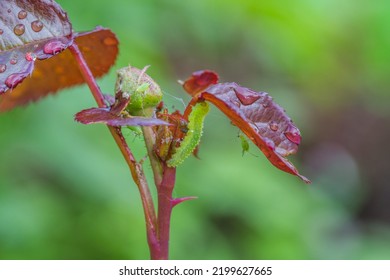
pixel 244 143
pixel 142 88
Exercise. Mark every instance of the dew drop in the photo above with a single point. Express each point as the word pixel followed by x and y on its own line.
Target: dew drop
pixel 235 102
pixel 3 67
pixel 9 10
pixel 273 126
pixel 37 25
pixel 109 41
pixel 267 101
pixel 19 29
pixel 3 88
pixel 270 144
pixel 282 151
pixel 292 134
pixel 254 127
pixel 30 56
pixel 13 61
pixel 22 14
pixel 246 97
pixel 54 47
pixel 1 31
pixel 14 79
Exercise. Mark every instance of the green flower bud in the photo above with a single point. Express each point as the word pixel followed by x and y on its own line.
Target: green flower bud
pixel 144 93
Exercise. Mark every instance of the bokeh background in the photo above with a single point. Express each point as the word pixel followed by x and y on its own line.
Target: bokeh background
pixel 66 193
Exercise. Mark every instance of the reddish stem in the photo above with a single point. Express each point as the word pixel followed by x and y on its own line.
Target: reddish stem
pixel 135 168
pixel 158 228
pixel 165 205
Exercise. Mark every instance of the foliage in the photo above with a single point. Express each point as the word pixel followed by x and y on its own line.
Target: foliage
pixel 273 47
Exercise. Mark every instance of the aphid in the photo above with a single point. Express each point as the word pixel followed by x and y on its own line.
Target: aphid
pixel 142 88
pixel 244 143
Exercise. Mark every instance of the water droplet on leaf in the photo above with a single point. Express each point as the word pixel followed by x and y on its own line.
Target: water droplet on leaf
pixel 254 127
pixel 235 102
pixel 22 14
pixel 14 79
pixel 292 134
pixel 273 126
pixel 270 144
pixel 3 88
pixel 19 29
pixel 37 25
pixel 3 67
pixel 54 47
pixel 246 97
pixel 13 61
pixel 30 56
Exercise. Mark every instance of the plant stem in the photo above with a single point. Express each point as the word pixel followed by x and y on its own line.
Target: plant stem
pixel 165 205
pixel 150 139
pixel 135 167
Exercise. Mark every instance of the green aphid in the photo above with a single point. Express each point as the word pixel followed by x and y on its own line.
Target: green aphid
pixel 142 88
pixel 244 143
pixel 136 130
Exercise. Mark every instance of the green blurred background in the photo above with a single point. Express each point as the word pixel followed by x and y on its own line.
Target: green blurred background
pixel 66 193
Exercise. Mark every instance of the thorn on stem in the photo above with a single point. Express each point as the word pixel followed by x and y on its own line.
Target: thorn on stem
pixel 179 200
